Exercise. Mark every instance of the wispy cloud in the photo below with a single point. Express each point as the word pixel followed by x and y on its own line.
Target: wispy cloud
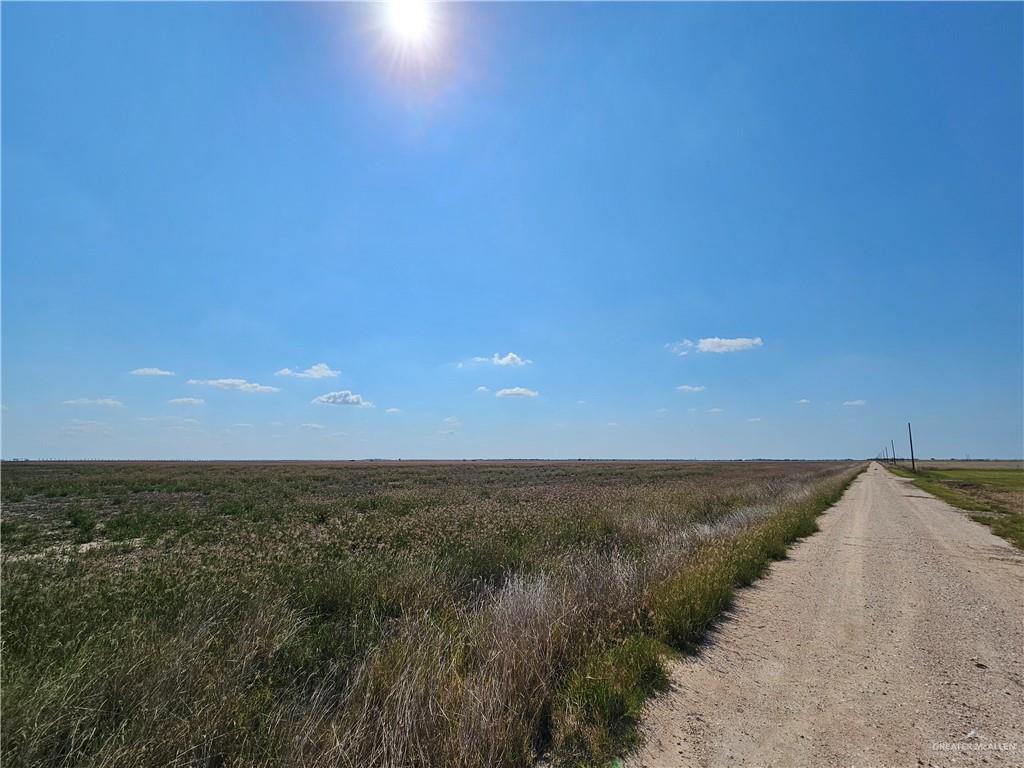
pixel 151 372
pixel 242 426
pixel 755 418
pixel 186 401
pixel 855 403
pixel 803 401
pixel 106 402
pixel 680 347
pixel 342 397
pixel 87 427
pixel 311 426
pixel 239 384
pixel 316 371
pixel 508 359
pixel 166 420
pixel 714 345
pixel 516 392
pixel 718 346
pixel 453 421
pixel 482 388
pixel 691 387
pixel 715 410
pixel 392 410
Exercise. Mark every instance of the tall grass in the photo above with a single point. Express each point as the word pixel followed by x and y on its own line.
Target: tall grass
pixel 265 649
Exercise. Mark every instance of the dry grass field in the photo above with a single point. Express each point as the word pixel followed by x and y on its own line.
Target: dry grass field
pixel 371 614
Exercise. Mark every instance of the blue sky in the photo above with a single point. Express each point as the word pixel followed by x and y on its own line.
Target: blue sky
pixel 223 191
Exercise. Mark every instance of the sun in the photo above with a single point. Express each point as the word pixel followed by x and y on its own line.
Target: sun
pixel 410 23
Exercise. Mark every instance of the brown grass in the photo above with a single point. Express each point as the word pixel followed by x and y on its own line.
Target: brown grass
pixel 471 614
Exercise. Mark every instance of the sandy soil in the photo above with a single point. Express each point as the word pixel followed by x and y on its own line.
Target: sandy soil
pixel 894 637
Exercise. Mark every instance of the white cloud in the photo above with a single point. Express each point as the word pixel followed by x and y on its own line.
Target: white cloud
pixel 508 359
pixel 714 344
pixel 516 392
pixel 680 347
pixel 613 423
pixel 311 426
pixel 662 411
pixel 803 401
pixel 242 426
pixel 755 418
pixel 342 397
pixel 240 384
pixel 718 346
pixel 446 431
pixel 87 427
pixel 453 422
pixel 714 410
pixel 170 422
pixel 691 387
pixel 106 402
pixel 151 372
pixel 482 388
pixel 392 410
pixel 317 371
pixel 186 401
pixel 855 402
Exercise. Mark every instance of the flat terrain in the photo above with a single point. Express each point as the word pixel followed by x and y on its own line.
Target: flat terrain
pixel 893 637
pixel 989 494
pixel 968 464
pixel 367 614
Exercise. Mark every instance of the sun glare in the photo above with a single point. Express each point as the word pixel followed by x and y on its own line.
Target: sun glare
pixel 410 22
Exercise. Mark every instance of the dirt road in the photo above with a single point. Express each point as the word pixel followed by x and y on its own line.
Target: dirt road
pixel 894 637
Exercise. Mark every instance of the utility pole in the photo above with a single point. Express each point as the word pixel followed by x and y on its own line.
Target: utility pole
pixel 893 450
pixel 913 465
pixel 885 454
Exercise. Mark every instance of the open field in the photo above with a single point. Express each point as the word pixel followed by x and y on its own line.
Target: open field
pixel 969 464
pixel 419 614
pixel 991 495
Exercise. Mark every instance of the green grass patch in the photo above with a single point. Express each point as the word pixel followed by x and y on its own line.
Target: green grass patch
pixel 84 521
pixel 1009 526
pixel 599 710
pixel 1007 479
pixel 994 497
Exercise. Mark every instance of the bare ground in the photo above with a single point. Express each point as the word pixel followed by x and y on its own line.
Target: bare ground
pixel 894 637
